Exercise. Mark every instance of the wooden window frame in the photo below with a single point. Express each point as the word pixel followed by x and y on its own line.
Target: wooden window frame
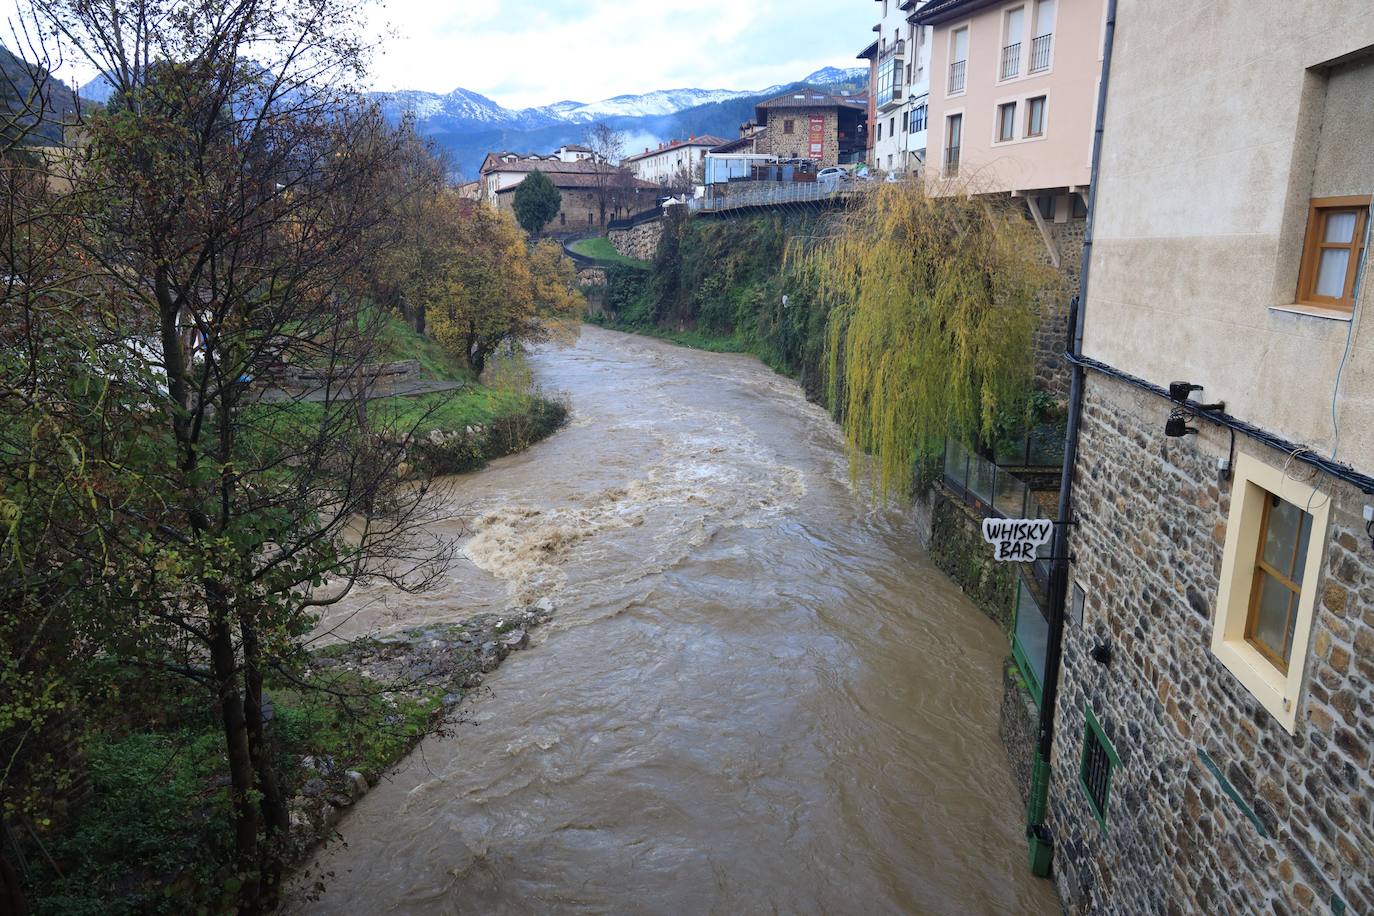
pixel 1262 566
pixel 1319 211
pixel 788 125
pixel 1009 123
pixel 1030 107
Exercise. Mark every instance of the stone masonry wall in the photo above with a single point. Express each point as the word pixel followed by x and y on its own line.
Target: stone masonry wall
pixel 1051 336
pixel 640 241
pixel 775 142
pixel 958 549
pixel 1291 827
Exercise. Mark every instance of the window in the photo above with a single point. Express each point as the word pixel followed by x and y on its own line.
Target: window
pixel 1011 43
pixel 787 125
pixel 1035 116
pixel 1270 565
pixel 958 60
pixel 1006 122
pixel 918 119
pixel 880 130
pixel 1284 534
pixel 1095 766
pixel 891 126
pixel 1030 639
pixel 954 130
pixel 906 123
pixel 1331 251
pixel 1044 36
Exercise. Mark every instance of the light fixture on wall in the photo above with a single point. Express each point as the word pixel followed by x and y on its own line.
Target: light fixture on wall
pixel 1177 425
pixel 1179 392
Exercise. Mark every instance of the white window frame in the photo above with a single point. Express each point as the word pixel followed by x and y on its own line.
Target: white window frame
pixel 1277 691
pixel 967 26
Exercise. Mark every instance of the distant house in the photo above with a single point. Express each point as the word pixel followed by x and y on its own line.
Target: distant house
pixel 828 128
pixel 574 152
pixel 673 161
pixel 581 184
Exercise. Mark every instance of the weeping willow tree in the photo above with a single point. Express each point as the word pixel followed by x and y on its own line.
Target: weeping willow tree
pixel 933 303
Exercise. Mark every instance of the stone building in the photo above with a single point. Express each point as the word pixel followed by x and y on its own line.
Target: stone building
pixel 1214 723
pixel 809 124
pixel 581 182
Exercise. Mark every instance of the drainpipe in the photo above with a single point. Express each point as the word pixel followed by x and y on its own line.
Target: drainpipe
pixel 1041 845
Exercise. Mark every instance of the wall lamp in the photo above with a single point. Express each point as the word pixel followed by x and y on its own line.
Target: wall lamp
pixel 1177 425
pixel 1179 392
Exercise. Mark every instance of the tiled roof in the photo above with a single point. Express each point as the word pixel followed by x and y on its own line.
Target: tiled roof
pixel 552 166
pixel 940 10
pixel 573 181
pixel 811 98
pixel 740 143
pixel 703 140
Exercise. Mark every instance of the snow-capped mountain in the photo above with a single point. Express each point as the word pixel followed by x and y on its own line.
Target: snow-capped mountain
pixel 463 107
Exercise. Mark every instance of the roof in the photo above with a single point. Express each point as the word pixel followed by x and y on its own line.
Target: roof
pixel 576 148
pixel 740 143
pixel 869 52
pixel 553 166
pixel 814 98
pixel 706 140
pixel 937 11
pixel 572 181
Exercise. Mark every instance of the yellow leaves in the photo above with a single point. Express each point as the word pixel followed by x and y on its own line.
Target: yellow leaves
pixel 934 302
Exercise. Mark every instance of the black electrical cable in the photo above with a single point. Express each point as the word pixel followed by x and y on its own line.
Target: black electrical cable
pixel 1301 453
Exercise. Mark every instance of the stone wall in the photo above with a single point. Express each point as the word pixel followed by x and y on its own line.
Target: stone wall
pixel 777 142
pixel 958 549
pixel 640 241
pixel 1215 807
pixel 1018 725
pixel 1051 336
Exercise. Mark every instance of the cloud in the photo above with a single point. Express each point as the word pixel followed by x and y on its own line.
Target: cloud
pixel 524 54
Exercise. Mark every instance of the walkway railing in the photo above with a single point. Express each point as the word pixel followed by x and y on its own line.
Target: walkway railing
pixel 775 194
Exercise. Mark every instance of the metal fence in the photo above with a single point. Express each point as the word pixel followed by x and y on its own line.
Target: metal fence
pixel 1040 52
pixel 775 194
pixel 1011 60
pixel 994 492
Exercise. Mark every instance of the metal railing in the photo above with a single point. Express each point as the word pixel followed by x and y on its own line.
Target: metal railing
pixel 993 492
pixel 952 160
pixel 1040 52
pixel 895 49
pixel 957 72
pixel 775 194
pixel 1011 60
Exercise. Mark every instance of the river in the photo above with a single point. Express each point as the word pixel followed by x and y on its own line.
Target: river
pixel 757 694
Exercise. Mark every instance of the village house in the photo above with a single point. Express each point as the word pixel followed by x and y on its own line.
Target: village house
pixel 677 163
pixel 1214 720
pixel 899 84
pixel 826 128
pixel 585 185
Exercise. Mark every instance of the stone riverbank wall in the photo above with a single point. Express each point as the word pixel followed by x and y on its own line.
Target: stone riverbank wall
pixel 639 242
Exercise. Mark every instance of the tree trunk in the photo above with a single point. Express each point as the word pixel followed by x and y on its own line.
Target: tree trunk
pixel 274 812
pixel 241 775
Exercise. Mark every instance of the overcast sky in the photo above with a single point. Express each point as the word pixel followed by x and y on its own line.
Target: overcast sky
pixel 533 53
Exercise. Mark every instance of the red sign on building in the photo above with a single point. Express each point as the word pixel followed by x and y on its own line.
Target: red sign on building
pixel 817 137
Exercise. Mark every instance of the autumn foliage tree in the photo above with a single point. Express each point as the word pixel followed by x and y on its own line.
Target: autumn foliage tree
pixel 485 290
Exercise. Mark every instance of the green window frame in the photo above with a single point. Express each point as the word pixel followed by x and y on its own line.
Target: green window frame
pixel 1096 765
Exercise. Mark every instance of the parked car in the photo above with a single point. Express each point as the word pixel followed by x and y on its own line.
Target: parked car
pixel 832 174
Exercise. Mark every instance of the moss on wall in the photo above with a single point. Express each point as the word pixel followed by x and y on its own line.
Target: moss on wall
pixel 958 548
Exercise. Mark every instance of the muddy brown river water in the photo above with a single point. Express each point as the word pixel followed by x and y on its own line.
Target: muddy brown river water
pixel 757 694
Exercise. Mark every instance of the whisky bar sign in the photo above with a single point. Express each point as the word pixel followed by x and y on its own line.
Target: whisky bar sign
pixel 1015 539
pixel 816 137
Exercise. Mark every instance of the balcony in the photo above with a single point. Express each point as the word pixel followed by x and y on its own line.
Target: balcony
pixel 889 95
pixel 1011 61
pixel 893 51
pixel 1040 53
pixel 951 161
pixel 957 72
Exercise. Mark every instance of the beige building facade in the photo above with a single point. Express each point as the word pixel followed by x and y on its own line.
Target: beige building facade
pixel 1013 89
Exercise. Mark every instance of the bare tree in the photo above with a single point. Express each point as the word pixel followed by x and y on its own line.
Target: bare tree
pixel 608 147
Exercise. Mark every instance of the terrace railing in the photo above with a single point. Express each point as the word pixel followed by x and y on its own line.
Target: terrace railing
pixel 957 73
pixel 1040 52
pixel 1011 60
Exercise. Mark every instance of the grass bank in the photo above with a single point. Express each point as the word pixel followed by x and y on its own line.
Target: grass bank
pixel 601 249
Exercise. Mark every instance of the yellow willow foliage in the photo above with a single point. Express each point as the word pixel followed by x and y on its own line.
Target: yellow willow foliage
pixel 933 305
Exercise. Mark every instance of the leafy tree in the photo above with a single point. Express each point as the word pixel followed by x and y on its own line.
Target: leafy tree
pixel 537 202
pixel 227 202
